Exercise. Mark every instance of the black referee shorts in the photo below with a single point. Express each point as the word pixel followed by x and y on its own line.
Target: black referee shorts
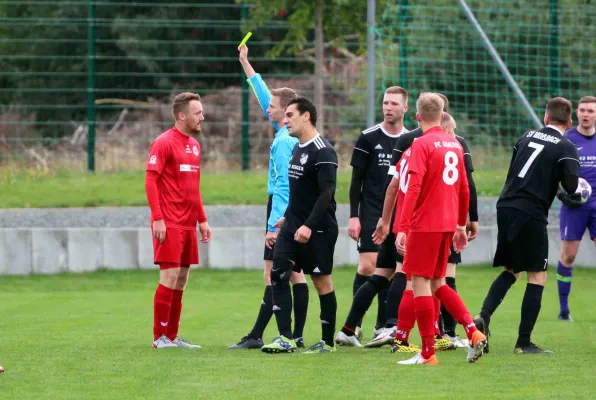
pixel 268 253
pixel 388 255
pixel 365 242
pixel 314 257
pixel 522 242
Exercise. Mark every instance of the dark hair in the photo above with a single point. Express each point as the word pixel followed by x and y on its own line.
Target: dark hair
pixel 445 102
pixel 303 105
pixel 559 110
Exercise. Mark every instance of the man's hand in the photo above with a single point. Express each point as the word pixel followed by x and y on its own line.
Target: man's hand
pixel 400 243
pixel 302 235
pixel 460 240
pixel 354 228
pixel 472 230
pixel 572 201
pixel 270 239
pixel 159 230
pixel 279 223
pixel 205 232
pixel 381 232
pixel 243 56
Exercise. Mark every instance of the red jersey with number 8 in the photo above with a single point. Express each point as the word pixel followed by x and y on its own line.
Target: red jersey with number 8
pixel 441 185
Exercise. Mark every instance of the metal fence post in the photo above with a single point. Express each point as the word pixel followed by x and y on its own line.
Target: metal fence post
pixel 555 70
pixel 370 120
pixel 245 111
pixel 403 44
pixel 91 85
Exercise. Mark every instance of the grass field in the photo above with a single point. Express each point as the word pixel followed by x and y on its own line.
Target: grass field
pixel 127 189
pixel 88 336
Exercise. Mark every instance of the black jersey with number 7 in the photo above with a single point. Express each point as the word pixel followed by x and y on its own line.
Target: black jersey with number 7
pixel 541 159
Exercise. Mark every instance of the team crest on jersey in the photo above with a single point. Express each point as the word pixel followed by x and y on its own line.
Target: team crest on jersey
pixel 153 160
pixel 195 150
pixel 303 158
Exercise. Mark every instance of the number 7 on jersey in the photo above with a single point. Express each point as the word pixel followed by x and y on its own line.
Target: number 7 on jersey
pixel 537 149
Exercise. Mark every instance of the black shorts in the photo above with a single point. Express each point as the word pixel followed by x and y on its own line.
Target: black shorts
pixel 388 255
pixel 268 253
pixel 314 257
pixel 365 242
pixel 522 242
pixel 454 258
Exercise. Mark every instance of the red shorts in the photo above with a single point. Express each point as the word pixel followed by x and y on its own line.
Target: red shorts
pixel 427 254
pixel 180 247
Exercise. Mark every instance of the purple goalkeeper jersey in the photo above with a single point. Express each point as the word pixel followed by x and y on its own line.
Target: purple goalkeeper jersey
pixel 586 148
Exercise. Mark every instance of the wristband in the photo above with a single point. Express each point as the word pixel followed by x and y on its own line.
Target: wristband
pixel 461 228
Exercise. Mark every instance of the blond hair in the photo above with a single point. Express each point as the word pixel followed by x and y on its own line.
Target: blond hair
pixel 397 90
pixel 285 94
pixel 429 106
pixel 181 102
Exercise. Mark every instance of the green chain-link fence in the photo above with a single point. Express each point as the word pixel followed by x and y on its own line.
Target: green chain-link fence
pixel 73 70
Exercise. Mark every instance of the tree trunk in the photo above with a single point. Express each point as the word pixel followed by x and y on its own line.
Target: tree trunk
pixel 319 59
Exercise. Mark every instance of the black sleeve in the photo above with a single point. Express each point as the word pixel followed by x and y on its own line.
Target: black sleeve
pixel 473 207
pixel 402 144
pixel 356 190
pixel 326 167
pixel 361 152
pixel 568 165
pixel 569 183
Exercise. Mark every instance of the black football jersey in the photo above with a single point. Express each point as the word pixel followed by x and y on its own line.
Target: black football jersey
pixel 540 160
pixel 312 162
pixel 373 152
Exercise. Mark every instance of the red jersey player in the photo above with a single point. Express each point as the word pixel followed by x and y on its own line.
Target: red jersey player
pixel 435 206
pixel 172 187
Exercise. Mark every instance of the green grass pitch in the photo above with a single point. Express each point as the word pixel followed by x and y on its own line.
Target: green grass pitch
pixel 88 336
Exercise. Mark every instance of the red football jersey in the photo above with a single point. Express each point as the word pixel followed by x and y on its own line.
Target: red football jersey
pixel 176 157
pixel 403 177
pixel 438 196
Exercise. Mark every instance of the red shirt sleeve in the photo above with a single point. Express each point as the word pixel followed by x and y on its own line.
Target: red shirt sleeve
pixel 202 217
pixel 158 156
pixel 153 195
pixel 464 195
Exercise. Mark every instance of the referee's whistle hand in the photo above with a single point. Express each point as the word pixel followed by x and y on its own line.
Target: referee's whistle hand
pixel 354 228
pixel 159 230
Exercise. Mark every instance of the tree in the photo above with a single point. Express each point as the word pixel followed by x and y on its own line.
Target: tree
pixel 329 22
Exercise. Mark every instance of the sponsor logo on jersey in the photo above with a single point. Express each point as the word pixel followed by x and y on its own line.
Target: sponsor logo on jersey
pixel 378 147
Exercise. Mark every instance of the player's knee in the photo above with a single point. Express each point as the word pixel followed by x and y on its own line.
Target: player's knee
pixel 168 277
pixel 267 273
pixel 379 282
pixel 436 283
pixel 537 278
pixel 297 277
pixel 366 264
pixel 567 259
pixel 281 271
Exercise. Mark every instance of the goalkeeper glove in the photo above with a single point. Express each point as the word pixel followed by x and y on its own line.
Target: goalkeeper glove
pixel 570 200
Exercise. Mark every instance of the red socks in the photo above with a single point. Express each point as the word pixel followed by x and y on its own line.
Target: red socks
pixel 425 315
pixel 456 307
pixel 175 311
pixel 406 316
pixel 161 310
